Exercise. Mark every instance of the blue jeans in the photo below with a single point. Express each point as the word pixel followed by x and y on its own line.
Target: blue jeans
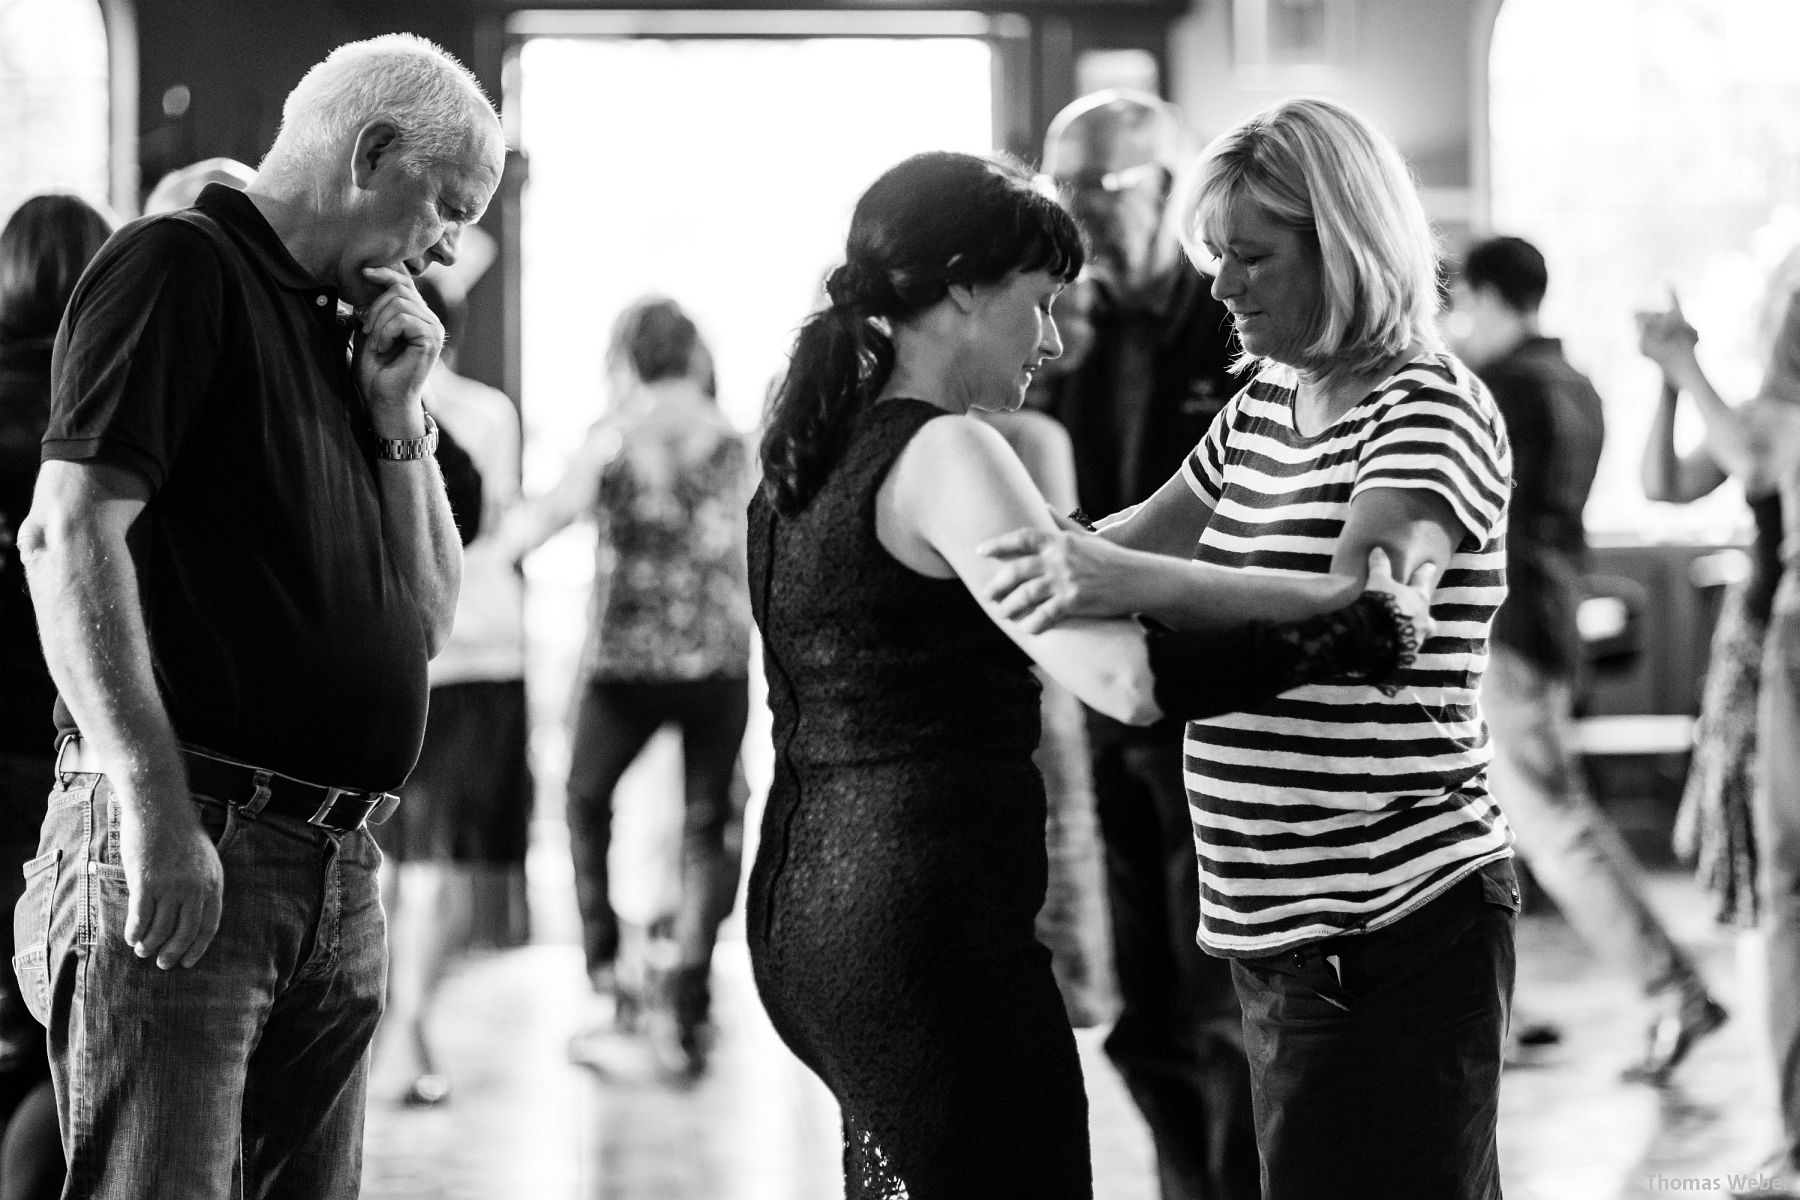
pixel 1375 1057
pixel 242 1075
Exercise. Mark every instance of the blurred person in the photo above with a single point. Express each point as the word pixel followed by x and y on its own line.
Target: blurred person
pixel 466 806
pixel 665 474
pixel 1714 824
pixel 44 246
pixel 1353 866
pixel 182 186
pixel 1158 372
pixel 892 906
pixel 1556 425
pixel 1073 922
pixel 241 556
pixel 1758 443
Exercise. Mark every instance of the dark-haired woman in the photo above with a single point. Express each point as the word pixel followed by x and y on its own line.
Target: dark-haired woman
pixel 902 859
pixel 664 473
pixel 43 249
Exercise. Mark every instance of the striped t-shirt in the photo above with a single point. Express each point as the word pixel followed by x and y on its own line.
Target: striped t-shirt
pixel 1338 809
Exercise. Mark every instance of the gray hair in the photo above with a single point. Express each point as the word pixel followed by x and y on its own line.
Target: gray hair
pixel 434 102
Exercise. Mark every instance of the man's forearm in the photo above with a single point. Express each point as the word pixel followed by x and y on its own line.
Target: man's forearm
pixel 89 617
pixel 421 533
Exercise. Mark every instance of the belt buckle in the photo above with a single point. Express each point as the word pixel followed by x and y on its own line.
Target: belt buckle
pixel 332 796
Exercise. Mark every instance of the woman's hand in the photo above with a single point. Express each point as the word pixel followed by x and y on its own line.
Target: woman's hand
pixel 1412 599
pixel 1667 340
pixel 1046 578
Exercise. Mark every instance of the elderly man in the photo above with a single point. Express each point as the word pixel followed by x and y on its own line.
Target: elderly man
pixel 1158 372
pixel 242 557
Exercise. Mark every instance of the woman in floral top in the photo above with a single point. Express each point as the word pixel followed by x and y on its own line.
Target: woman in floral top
pixel 666 476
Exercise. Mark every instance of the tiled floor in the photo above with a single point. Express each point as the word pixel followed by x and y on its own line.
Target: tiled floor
pixel 525 1122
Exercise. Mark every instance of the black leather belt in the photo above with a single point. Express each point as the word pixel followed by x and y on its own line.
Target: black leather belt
pixel 339 810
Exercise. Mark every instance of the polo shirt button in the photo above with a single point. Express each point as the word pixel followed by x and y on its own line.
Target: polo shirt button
pixel 320 301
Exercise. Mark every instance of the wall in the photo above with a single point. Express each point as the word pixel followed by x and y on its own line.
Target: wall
pixel 1411 66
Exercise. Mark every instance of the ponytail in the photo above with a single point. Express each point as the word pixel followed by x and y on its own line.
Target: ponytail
pixel 933 221
pixel 842 358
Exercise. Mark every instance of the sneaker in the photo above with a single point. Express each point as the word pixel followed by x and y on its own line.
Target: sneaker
pixel 1672 1036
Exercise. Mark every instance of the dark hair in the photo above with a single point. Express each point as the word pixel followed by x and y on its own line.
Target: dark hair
pixel 655 339
pixel 43 249
pixel 1511 266
pixel 934 220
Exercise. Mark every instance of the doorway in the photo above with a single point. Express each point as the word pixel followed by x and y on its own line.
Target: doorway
pixel 713 158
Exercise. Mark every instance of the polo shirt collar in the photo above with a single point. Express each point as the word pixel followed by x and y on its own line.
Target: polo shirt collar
pixel 239 214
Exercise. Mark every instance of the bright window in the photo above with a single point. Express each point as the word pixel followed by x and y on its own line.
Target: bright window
pixel 53 100
pixel 1643 145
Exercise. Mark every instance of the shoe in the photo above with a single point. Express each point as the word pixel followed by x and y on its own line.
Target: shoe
pixel 427 1091
pixel 1672 1037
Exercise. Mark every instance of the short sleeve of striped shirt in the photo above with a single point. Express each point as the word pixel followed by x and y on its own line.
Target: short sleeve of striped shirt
pixel 1334 808
pixel 1443 435
pixel 1204 468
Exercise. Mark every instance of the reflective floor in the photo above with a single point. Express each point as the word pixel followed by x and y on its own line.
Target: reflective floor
pixel 524 1121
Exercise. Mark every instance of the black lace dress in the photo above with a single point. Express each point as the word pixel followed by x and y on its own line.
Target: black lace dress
pixel 902 863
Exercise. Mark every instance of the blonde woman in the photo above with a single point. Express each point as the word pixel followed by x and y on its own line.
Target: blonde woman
pixel 1352 864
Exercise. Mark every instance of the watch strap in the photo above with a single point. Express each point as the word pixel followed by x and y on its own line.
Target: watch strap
pixel 409 449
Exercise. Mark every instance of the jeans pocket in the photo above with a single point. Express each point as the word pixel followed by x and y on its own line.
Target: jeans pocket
pixel 31 933
pixel 1500 885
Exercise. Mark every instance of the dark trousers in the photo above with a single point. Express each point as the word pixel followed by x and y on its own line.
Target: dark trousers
pixel 614 722
pixel 1178 1041
pixel 1375 1058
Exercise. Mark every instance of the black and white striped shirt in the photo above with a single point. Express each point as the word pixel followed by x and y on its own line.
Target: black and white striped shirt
pixel 1338 809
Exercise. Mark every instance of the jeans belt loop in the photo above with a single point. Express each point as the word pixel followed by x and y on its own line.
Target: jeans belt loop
pixel 259 796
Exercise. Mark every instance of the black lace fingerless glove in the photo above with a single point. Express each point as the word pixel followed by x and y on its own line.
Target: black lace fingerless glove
pixel 1205 674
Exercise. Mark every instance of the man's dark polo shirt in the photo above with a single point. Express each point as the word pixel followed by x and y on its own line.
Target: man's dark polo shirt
pixel 1157 376
pixel 197 353
pixel 1554 419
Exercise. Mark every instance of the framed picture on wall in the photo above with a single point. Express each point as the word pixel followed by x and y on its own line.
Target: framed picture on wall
pixel 1290 43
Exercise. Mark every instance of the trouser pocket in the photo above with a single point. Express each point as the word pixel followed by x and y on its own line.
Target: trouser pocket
pixel 31 933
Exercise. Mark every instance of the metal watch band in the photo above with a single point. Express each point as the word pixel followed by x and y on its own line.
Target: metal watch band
pixel 409 449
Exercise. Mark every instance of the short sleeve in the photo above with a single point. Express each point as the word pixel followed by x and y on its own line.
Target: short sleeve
pixel 1204 467
pixel 1445 437
pixel 1781 381
pixel 135 356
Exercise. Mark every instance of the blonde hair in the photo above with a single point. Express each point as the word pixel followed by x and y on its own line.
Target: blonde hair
pixel 435 104
pixel 1318 168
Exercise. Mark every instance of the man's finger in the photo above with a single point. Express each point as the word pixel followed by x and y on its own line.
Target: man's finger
pixel 211 910
pixel 1008 578
pixel 181 940
pixel 161 927
pixel 139 909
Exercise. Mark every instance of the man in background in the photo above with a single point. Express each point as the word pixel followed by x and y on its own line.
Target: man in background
pixel 1156 376
pixel 1553 417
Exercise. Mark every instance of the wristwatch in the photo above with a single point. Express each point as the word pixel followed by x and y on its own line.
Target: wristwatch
pixel 409 449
